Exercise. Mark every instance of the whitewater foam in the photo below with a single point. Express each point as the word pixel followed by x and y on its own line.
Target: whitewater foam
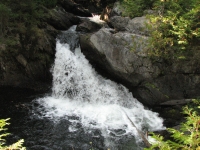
pixel 97 103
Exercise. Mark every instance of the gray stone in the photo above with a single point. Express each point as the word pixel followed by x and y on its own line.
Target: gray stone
pixel 117 50
pixel 113 52
pixel 89 26
pixel 119 23
pixel 138 25
pixel 117 10
pixel 123 57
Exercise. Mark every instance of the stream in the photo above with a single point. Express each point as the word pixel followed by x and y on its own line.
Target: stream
pixel 82 111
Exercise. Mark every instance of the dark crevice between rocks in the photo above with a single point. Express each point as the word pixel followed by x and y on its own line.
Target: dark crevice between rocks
pixel 74 8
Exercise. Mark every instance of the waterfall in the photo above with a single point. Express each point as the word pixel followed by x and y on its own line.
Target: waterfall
pixel 82 96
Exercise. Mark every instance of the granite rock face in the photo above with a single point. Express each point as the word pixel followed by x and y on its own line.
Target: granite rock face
pixel 28 62
pixel 22 67
pixel 119 53
pixel 117 50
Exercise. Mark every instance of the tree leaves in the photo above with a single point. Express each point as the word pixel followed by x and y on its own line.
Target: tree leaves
pixel 14 146
pixel 187 138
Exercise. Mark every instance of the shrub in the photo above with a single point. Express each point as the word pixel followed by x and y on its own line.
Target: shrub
pixel 175 26
pixel 47 3
pixel 134 8
pixel 3 134
pixel 175 31
pixel 187 138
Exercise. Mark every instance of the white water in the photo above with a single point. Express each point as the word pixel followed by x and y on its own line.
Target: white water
pixel 96 18
pixel 98 103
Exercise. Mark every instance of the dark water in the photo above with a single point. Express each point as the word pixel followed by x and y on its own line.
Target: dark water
pixel 69 80
pixel 42 133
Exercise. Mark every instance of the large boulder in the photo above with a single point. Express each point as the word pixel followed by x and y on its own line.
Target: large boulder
pixel 119 23
pixel 112 53
pixel 151 81
pixel 87 25
pixel 137 25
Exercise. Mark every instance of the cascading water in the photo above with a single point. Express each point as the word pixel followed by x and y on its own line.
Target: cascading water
pixel 89 101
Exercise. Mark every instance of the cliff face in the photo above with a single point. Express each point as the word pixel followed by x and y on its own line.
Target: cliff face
pixel 26 59
pixel 108 47
pixel 27 62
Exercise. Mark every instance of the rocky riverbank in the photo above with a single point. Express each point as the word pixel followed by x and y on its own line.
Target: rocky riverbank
pixel 116 49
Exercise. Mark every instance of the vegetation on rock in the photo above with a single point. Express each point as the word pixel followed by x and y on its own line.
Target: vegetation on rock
pixel 177 32
pixel 20 21
pixel 174 26
pixel 187 138
pixel 135 8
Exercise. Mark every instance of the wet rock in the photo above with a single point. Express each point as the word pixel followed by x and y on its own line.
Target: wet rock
pixel 71 38
pixel 61 19
pixel 88 26
pixel 122 56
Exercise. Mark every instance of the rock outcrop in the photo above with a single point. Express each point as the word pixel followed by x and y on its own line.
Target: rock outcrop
pixel 119 53
pixel 26 62
pixel 28 66
pixel 88 26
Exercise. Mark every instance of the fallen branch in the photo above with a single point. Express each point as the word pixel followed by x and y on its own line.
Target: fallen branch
pixel 146 142
pixel 176 102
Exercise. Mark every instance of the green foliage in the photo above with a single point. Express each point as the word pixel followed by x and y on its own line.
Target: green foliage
pixel 3 134
pixel 134 8
pixel 174 26
pixel 4 18
pixel 28 12
pixel 175 30
pixel 25 12
pixel 187 138
pixel 47 3
pixel 20 23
